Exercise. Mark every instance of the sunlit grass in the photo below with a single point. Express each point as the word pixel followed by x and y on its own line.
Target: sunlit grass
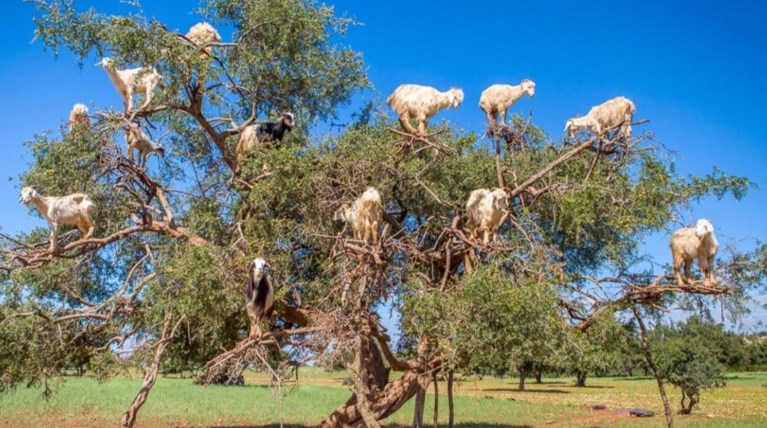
pixel 488 402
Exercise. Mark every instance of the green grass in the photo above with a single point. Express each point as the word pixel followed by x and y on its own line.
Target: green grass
pixel 489 402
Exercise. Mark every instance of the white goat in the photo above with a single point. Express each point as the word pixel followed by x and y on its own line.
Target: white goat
pixel 72 209
pixel 141 80
pixel 365 215
pixel 618 111
pixel 421 103
pixel 136 139
pixel 691 243
pixel 78 118
pixel 484 212
pixel 201 34
pixel 498 98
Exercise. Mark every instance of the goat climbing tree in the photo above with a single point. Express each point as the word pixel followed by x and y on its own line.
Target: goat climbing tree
pixel 172 241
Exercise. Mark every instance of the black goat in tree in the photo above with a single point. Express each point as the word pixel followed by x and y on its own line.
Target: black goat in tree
pixel 259 295
pixel 263 132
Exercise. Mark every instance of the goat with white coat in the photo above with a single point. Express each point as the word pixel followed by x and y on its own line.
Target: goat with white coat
pixel 694 243
pixel 618 111
pixel 202 34
pixel 499 98
pixel 141 80
pixel 136 139
pixel 78 118
pixel 420 103
pixel 484 212
pixel 364 216
pixel 74 210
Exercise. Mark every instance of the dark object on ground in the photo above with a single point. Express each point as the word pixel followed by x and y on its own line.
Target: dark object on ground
pixel 640 413
pixel 596 406
pixel 227 379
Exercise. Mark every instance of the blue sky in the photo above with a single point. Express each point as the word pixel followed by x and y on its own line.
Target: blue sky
pixel 696 70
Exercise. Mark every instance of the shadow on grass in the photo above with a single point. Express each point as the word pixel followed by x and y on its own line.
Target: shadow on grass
pixel 458 425
pixel 635 378
pixel 233 387
pixel 741 377
pixel 591 387
pixel 533 391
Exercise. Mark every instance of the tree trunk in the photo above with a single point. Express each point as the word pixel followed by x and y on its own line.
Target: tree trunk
pixel 522 375
pixel 420 404
pixel 389 401
pixel 687 408
pixel 450 406
pixel 386 398
pixel 654 368
pixel 538 375
pixel 129 417
pixel 580 378
pixel 436 400
pixel 362 387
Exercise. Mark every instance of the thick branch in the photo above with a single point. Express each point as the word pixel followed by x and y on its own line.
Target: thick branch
pixel 550 167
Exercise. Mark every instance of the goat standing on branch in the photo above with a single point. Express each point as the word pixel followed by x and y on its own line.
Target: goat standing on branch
pixel 421 103
pixel 74 209
pixel 141 80
pixel 136 139
pixel 201 34
pixel 259 295
pixel 263 132
pixel 691 243
pixel 365 215
pixel 78 118
pixel 618 111
pixel 484 212
pixel 499 98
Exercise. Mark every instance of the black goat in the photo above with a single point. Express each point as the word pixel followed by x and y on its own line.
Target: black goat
pixel 270 131
pixel 262 132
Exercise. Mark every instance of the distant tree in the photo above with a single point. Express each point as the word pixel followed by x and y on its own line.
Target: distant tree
pixel 756 350
pixel 688 365
pixel 629 360
pixel 727 347
pixel 597 349
pixel 508 329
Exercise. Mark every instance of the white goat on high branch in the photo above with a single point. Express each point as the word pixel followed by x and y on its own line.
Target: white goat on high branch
pixel 74 209
pixel 618 111
pixel 421 103
pixel 141 80
pixel 691 243
pixel 499 98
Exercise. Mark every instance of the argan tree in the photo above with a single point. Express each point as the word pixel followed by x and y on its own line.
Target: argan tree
pixel 172 241
pixel 690 366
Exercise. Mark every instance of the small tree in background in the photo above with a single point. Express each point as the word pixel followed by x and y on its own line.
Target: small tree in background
pixel 596 350
pixel 688 365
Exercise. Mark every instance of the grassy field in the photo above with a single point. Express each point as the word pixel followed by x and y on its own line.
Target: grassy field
pixel 83 402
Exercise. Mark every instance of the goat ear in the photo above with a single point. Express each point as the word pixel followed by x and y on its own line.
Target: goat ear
pixel 251 289
pixel 499 203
